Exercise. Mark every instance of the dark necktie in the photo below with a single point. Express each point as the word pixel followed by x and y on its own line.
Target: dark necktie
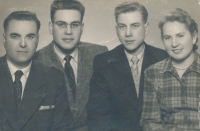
pixel 18 89
pixel 70 74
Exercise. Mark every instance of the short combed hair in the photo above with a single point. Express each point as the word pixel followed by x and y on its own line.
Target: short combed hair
pixel 183 17
pixel 21 15
pixel 66 5
pixel 130 7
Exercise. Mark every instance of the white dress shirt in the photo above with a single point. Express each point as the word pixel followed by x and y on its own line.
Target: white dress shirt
pixel 73 61
pixel 24 77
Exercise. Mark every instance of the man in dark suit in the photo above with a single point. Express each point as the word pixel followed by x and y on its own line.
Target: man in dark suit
pixel 32 97
pixel 116 94
pixel 66 26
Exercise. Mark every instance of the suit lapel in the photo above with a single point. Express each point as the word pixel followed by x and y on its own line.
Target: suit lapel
pixel 7 97
pixel 83 80
pixel 127 87
pixel 34 93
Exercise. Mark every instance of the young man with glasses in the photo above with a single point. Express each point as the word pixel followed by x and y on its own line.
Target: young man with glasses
pixel 68 54
pixel 116 92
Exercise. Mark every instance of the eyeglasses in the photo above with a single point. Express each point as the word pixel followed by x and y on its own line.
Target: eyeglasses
pixel 74 26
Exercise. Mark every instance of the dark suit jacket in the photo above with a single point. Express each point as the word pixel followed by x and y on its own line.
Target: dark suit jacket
pixel 86 54
pixel 44 87
pixel 113 102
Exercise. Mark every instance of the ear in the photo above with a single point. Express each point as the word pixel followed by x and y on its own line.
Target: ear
pixel 116 29
pixel 82 28
pixel 4 40
pixel 51 28
pixel 194 37
pixel 146 27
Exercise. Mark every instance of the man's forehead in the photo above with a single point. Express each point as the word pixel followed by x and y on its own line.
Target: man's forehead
pixel 67 15
pixel 22 26
pixel 130 17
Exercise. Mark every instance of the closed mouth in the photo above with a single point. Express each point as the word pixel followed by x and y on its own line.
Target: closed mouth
pixel 22 51
pixel 129 41
pixel 67 39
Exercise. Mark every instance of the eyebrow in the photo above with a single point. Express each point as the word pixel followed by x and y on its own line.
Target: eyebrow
pixel 136 23
pixel 31 34
pixel 67 23
pixel 14 34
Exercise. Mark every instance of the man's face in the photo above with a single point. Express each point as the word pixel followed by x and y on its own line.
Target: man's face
pixel 66 29
pixel 20 42
pixel 131 31
pixel 178 41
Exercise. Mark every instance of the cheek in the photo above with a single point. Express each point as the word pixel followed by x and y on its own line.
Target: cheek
pixel 9 47
pixel 119 33
pixel 140 32
pixel 167 45
pixel 77 35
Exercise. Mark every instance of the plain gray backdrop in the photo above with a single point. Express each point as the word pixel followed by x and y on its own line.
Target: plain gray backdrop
pixel 99 18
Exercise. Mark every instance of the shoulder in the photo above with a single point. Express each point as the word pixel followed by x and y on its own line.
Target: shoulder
pixel 48 72
pixel 156 68
pixel 91 50
pixel 93 47
pixel 112 53
pixel 45 54
pixel 156 51
pixel 45 50
pixel 1 58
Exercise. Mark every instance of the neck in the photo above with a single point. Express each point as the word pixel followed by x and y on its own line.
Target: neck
pixel 65 51
pixel 19 65
pixel 136 51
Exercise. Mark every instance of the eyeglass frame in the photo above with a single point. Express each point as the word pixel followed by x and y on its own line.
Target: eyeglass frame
pixel 64 25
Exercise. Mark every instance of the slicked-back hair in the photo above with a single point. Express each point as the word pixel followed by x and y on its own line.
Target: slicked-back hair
pixel 181 16
pixel 66 5
pixel 21 16
pixel 127 7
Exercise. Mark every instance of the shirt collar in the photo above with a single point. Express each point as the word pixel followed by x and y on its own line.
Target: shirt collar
pixel 193 67
pixel 13 69
pixel 139 56
pixel 61 56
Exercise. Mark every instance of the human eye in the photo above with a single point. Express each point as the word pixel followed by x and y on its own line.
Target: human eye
pixel 166 37
pixel 61 24
pixel 180 35
pixel 135 26
pixel 121 26
pixel 31 36
pixel 14 36
pixel 75 25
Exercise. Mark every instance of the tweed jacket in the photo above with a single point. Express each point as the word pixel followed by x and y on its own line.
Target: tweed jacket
pixel 86 54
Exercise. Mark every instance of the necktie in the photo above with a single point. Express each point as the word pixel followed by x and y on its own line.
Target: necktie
pixel 70 74
pixel 135 73
pixel 18 89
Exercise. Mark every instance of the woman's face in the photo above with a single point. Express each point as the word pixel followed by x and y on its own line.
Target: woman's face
pixel 178 41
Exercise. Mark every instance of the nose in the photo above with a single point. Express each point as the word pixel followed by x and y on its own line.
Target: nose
pixel 23 43
pixel 128 32
pixel 175 43
pixel 68 30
